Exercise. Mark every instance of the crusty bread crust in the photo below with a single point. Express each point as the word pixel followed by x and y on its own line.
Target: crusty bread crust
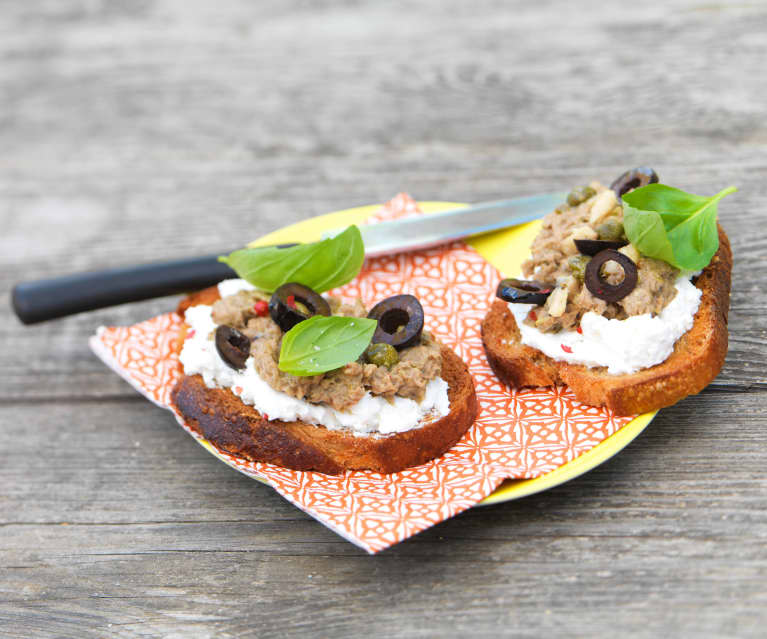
pixel 219 416
pixel 697 357
pixel 206 296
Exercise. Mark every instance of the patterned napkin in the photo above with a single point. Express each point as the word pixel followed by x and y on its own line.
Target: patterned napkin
pixel 518 434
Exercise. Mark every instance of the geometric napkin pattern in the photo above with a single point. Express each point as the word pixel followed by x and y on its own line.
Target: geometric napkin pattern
pixel 518 434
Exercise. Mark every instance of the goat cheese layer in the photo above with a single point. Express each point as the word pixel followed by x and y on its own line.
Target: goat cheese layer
pixel 230 287
pixel 372 415
pixel 623 346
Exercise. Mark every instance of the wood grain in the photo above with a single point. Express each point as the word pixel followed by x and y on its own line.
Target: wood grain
pixel 134 131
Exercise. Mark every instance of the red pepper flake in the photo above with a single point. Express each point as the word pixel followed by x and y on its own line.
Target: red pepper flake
pixel 291 301
pixel 261 308
pixel 190 334
pixel 566 349
pixel 579 329
pixel 238 390
pixel 266 417
pixel 532 315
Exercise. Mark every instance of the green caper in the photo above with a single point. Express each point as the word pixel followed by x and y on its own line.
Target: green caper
pixel 611 229
pixel 577 264
pixel 382 355
pixel 580 194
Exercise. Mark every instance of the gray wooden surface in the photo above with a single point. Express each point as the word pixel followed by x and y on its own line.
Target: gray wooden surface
pixel 141 130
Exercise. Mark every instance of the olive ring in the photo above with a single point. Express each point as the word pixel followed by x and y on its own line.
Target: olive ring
pixel 233 347
pixel 598 287
pixel 284 306
pixel 592 247
pixel 523 291
pixel 633 179
pixel 400 321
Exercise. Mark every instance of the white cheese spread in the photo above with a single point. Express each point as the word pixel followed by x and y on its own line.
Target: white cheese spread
pixel 372 415
pixel 230 287
pixel 623 346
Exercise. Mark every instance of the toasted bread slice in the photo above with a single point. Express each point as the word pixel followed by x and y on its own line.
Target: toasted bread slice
pixel 697 357
pixel 218 415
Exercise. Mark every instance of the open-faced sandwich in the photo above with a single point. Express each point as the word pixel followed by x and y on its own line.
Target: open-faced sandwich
pixel 624 297
pixel 275 372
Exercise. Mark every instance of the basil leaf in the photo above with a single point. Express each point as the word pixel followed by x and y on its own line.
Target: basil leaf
pixel 645 230
pixel 322 344
pixel 672 225
pixel 319 265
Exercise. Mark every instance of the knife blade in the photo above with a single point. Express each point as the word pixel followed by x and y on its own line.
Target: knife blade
pixel 424 231
pixel 42 300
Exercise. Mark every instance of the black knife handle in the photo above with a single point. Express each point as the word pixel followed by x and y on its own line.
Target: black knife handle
pixel 43 300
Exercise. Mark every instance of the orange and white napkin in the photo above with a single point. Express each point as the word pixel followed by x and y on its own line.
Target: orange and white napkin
pixel 518 434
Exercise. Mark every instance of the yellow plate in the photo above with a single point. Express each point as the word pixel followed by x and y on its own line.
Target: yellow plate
pixel 505 250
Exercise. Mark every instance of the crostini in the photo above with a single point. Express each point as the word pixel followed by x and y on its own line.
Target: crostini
pixel 273 371
pixel 624 298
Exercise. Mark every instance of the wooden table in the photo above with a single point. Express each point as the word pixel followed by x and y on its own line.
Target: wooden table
pixel 137 131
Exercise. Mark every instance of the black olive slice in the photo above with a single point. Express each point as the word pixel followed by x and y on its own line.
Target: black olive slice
pixel 400 321
pixel 292 303
pixel 592 247
pixel 633 179
pixel 523 291
pixel 604 290
pixel 233 347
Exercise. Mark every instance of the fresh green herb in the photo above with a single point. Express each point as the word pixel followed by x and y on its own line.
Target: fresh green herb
pixel 319 265
pixel 672 225
pixel 322 344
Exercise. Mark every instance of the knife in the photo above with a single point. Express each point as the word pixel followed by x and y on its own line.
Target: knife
pixel 424 231
pixel 41 300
